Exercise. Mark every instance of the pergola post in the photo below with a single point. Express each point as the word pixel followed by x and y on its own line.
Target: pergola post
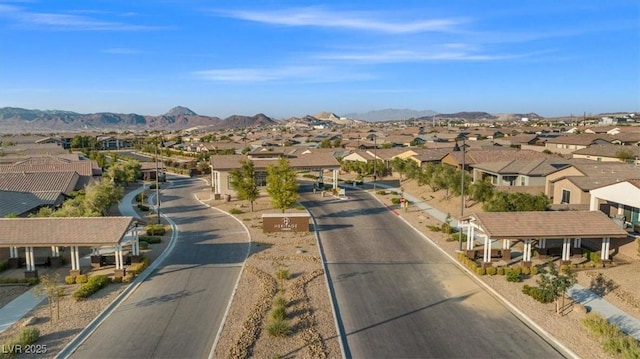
pixel 486 260
pixel 75 261
pixel 335 178
pixel 135 247
pixel 119 272
pixel 526 253
pixel 604 253
pixel 30 271
pixel 506 250
pixel 470 240
pixel 566 251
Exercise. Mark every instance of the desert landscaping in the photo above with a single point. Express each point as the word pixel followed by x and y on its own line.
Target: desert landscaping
pixel 285 270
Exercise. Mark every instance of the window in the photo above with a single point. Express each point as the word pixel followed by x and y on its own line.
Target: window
pixel 523 181
pixel 566 196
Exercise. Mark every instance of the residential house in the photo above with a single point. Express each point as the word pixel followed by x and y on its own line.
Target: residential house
pixel 620 200
pixel 517 172
pixel 570 143
pixel 570 186
pixel 605 153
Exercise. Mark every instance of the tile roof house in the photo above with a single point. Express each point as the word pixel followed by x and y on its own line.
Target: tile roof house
pixel 570 186
pixel 605 153
pixel 517 172
pixel 570 143
pixel 620 200
pixel 300 159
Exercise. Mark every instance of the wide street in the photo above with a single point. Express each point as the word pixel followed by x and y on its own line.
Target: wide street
pixel 399 297
pixel 177 311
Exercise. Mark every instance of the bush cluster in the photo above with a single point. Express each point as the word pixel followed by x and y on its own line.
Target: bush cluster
pixel 150 239
pixel 143 207
pixel 613 340
pixel 235 211
pixel 4 265
pixel 395 200
pixel 82 279
pixel 382 192
pixel 538 294
pixel 27 336
pixel 592 256
pixel 70 279
pixel 155 230
pixel 94 284
pixel 278 325
pixel 139 267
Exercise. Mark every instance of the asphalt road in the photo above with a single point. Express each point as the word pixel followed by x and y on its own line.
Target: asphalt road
pixel 178 310
pixel 397 296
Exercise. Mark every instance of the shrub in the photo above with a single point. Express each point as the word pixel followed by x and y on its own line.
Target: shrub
pixel 614 341
pixel 526 270
pixel 538 294
pixel 70 279
pixel 481 271
pixel 492 270
pixel 382 192
pixel 395 200
pixel 139 267
pixel 283 274
pixel 433 228
pixel 144 245
pixel 278 328
pixel 155 230
pixel 29 335
pixel 143 207
pixel 278 312
pixel 140 197
pixel 94 284
pixel 512 275
pixel 534 270
pixel 500 271
pixel 280 301
pixel 28 281
pixel 235 211
pixel 446 228
pixel 150 239
pixel 4 265
pixel 81 279
pixel 456 236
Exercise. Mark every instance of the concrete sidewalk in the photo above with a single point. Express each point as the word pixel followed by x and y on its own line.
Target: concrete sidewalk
pixel 627 323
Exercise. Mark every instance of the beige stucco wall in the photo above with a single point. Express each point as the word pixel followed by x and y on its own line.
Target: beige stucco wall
pixel 565 172
pixel 577 195
pixel 596 158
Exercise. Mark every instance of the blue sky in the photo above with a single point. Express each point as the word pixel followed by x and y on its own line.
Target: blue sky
pixel 292 58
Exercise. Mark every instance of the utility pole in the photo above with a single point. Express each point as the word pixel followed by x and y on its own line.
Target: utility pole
pixel 375 160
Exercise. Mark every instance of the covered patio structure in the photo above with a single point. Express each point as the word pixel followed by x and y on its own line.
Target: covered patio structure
pixel 23 235
pixel 550 232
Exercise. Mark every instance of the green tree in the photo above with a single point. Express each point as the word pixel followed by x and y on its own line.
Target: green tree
pixel 481 191
pixel 124 172
pixel 556 283
pixel 281 185
pixel 502 201
pixel 100 197
pixel 243 181
pixel 337 143
pixel 326 143
pixel 399 165
pixel 625 155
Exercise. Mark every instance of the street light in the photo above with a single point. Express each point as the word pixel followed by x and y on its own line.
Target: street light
pixel 464 152
pixel 157 183
pixel 375 160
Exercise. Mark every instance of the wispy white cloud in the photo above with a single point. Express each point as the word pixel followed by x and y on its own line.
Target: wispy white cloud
pixel 315 74
pixel 396 56
pixel 318 17
pixel 121 51
pixel 56 21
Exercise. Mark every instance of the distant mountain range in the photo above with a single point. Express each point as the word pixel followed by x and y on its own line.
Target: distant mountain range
pixel 19 120
pixel 389 114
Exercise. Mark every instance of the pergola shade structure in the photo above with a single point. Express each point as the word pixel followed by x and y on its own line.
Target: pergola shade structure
pixel 54 232
pixel 564 226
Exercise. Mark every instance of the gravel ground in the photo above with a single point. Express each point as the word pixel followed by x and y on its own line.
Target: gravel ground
pixel 313 332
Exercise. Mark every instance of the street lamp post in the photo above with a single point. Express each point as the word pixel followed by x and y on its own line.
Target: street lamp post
pixel 157 184
pixel 375 160
pixel 464 155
